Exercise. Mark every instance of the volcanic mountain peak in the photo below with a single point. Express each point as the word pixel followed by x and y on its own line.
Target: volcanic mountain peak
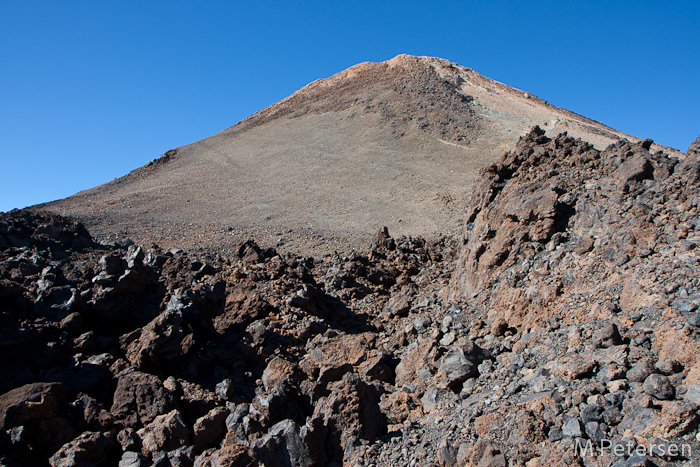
pixel 408 88
pixel 402 90
pixel 395 144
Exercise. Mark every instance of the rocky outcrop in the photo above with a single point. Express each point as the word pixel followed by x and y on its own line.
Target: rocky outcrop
pixel 694 148
pixel 571 318
pixel 589 258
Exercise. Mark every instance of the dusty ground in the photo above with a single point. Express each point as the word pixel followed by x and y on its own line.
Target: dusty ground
pixel 396 143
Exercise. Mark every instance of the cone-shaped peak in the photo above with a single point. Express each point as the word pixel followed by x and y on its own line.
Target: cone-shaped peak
pixel 395 143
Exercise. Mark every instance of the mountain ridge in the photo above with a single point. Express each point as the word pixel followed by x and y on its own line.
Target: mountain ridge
pixel 325 167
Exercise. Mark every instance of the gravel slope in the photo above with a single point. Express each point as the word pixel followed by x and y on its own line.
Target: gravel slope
pixel 396 143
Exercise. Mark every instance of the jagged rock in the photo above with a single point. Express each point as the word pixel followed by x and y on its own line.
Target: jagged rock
pixel 331 359
pixel 194 400
pixel 166 432
pixel 93 413
pixel 282 446
pixel 377 366
pixel 641 371
pixel 159 341
pixel 278 371
pixel 72 323
pixel 668 366
pixel 399 304
pixel 635 169
pixel 455 368
pixel 607 336
pixel 692 394
pixel 573 428
pixel 674 419
pixel 530 428
pixel 576 368
pixel 485 453
pixel 694 147
pixel 658 386
pixel 111 264
pixel 235 455
pixel 182 457
pixel 210 429
pixel 434 397
pixel 446 454
pixel 140 398
pixel 282 401
pixel 134 459
pixel 225 389
pixel 90 448
pixel 400 406
pixel 351 412
pixel 39 410
pixel 127 439
pixel 413 362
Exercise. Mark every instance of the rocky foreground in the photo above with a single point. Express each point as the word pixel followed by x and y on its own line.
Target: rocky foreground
pixel 562 329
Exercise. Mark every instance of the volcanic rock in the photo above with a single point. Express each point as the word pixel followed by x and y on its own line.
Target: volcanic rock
pixel 140 398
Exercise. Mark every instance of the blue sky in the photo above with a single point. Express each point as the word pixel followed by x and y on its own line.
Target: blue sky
pixel 90 90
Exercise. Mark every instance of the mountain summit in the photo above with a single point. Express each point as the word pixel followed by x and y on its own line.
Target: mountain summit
pixel 396 143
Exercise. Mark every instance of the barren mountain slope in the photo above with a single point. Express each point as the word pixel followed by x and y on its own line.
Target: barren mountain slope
pixel 396 143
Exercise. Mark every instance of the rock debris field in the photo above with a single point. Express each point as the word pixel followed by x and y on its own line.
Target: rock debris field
pixel 560 328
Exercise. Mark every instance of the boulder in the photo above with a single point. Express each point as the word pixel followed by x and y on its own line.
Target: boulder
pixel 158 342
pixel 139 398
pixel 39 409
pixel 210 429
pixel 282 446
pixel 455 368
pixel 658 386
pixel 165 433
pixel 88 449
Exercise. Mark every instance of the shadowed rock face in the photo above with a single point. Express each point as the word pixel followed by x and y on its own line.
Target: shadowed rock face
pixel 396 143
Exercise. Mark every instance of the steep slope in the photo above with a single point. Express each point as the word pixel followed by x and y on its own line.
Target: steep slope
pixel 396 143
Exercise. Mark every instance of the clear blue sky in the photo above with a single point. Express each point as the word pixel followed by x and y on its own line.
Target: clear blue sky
pixel 90 90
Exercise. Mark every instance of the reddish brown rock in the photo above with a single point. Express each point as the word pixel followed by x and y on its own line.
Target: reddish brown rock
pixel 236 455
pixel 277 372
pixel 165 433
pixel 159 341
pixel 90 448
pixel 485 454
pixel 332 358
pixel 210 429
pixel 410 365
pixel 94 414
pixel 349 414
pixel 399 406
pixel 139 398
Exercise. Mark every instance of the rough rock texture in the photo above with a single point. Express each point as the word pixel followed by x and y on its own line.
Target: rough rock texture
pixel 591 259
pixel 566 314
pixel 159 357
pixel 694 148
